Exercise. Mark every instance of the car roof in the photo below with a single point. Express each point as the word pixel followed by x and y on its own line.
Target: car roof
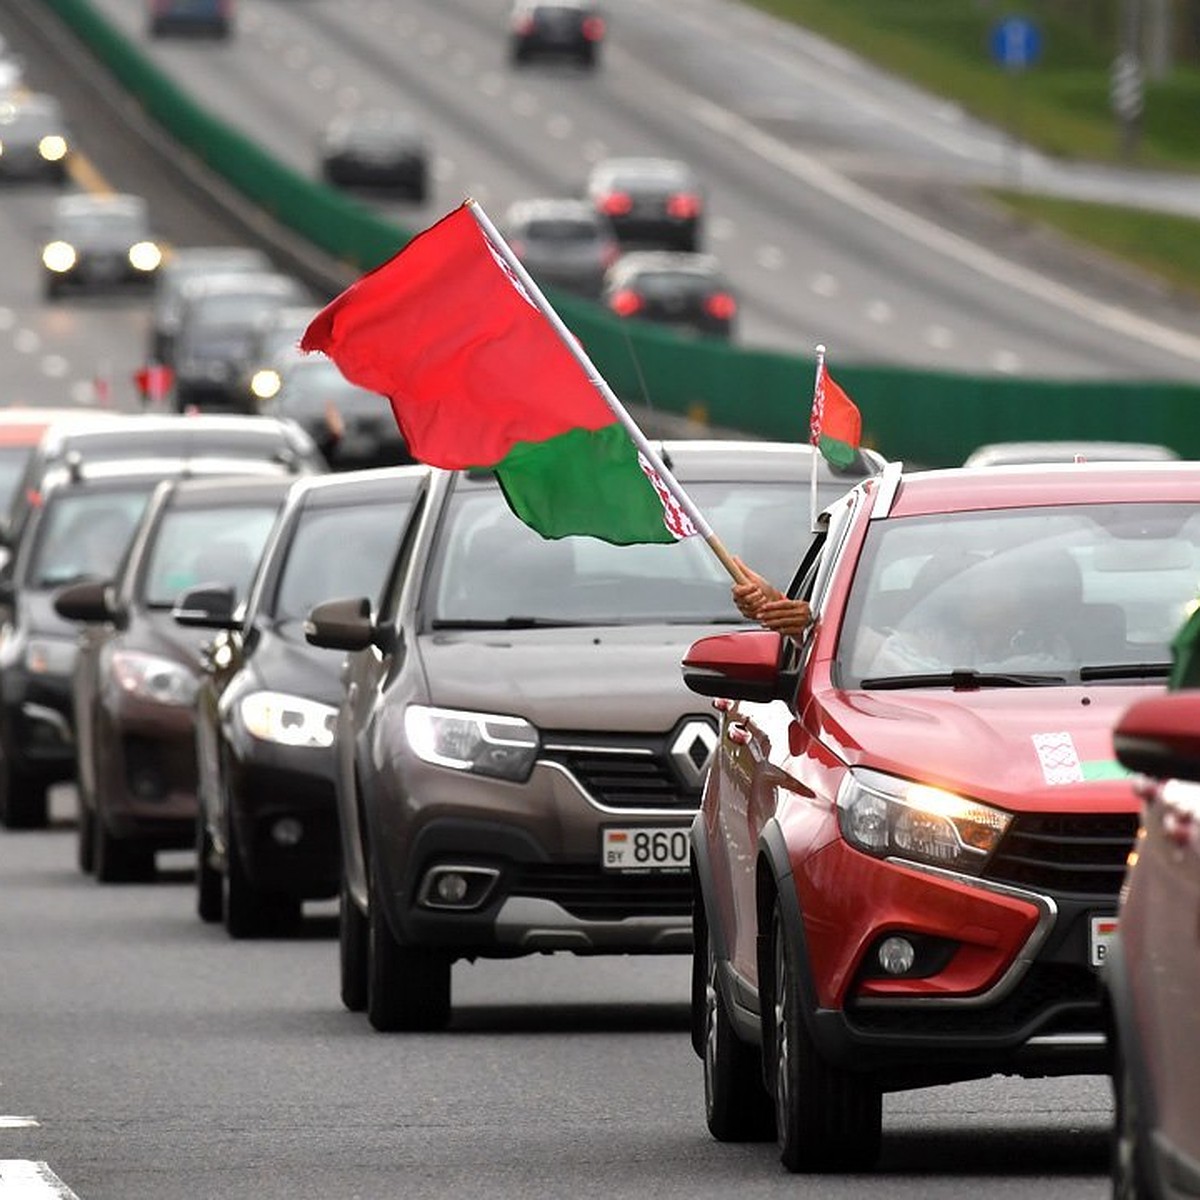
pixel 25 425
pixel 367 485
pixel 91 202
pixel 238 283
pixel 1000 453
pixel 636 261
pixel 111 475
pixel 186 259
pixel 642 167
pixel 546 207
pixel 75 434
pixel 190 492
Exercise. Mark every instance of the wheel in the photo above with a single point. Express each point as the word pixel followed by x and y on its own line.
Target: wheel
pixel 1130 1177
pixel 352 952
pixel 407 988
pixel 86 839
pixel 209 907
pixel 249 912
pixel 22 799
pixel 827 1118
pixel 115 860
pixel 737 1107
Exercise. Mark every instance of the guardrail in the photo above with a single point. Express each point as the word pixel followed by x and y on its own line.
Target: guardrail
pixel 924 416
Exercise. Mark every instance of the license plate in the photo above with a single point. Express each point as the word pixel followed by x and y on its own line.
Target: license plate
pixel 1103 931
pixel 645 848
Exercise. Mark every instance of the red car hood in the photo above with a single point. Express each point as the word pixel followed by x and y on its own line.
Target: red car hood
pixel 1021 748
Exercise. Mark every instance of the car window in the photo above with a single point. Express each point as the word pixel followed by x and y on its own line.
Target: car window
pixel 83 534
pixel 13 460
pixel 562 230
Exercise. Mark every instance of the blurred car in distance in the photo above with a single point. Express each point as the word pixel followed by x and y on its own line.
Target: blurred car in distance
pixel 34 139
pixel 21 429
pixel 556 29
pixel 913 836
pixel 210 18
pixel 1004 454
pixel 99 243
pixel 134 682
pixel 518 760
pixel 649 202
pixel 562 242
pixel 376 147
pixel 1152 970
pixel 274 339
pixel 184 263
pixel 685 291
pixel 267 831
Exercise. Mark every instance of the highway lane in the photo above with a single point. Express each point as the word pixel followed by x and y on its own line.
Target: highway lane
pixel 815 255
pixel 146 1056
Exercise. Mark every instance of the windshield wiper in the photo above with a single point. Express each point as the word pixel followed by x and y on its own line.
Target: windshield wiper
pixel 510 623
pixel 963 679
pixel 1148 670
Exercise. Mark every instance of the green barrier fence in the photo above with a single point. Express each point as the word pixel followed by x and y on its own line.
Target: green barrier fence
pixel 927 417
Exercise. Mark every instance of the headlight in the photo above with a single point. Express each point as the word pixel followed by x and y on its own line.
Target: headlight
pixel 896 818
pixel 148 677
pixel 50 656
pixel 58 256
pixel 53 147
pixel 289 720
pixel 265 383
pixel 502 747
pixel 144 256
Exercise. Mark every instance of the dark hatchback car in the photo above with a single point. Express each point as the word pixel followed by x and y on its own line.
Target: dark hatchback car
pixel 562 243
pixel 688 292
pixel 518 760
pixel 137 670
pixel 35 142
pixel 378 148
pixel 207 18
pixel 99 244
pixel 650 202
pixel 267 831
pixel 1152 971
pixel 556 29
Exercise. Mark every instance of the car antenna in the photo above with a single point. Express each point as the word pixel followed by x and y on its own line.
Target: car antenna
pixel 647 403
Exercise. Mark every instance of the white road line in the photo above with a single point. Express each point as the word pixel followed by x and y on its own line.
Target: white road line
pixel 22 1179
pixel 770 258
pixel 19 1123
pixel 879 311
pixel 54 366
pixel 1006 362
pixel 27 341
pixel 825 285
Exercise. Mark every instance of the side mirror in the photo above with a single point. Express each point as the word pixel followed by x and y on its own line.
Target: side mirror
pixel 87 601
pixel 736 666
pixel 210 607
pixel 341 625
pixel 1161 736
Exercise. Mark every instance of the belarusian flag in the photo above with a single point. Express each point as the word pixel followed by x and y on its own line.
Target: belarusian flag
pixel 835 426
pixel 478 377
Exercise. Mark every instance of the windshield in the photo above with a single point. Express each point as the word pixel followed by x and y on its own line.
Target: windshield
pixel 200 546
pixel 1064 591
pixel 339 552
pixel 84 534
pixel 491 568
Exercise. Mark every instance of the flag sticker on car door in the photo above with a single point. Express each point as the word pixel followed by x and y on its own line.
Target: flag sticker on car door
pixel 1059 758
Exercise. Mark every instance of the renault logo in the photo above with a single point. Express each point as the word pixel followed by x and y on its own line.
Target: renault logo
pixel 692 751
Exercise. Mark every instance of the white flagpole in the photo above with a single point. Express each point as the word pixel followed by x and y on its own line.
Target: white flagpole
pixel 703 528
pixel 816 453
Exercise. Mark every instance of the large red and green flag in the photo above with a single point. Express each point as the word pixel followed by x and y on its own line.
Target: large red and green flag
pixel 478 376
pixel 835 426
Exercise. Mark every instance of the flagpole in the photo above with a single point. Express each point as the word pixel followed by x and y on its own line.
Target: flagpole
pixel 814 437
pixel 610 397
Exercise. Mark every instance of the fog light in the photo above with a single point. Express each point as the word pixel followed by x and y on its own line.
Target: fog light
pixel 287 831
pixel 897 955
pixel 451 888
pixel 457 886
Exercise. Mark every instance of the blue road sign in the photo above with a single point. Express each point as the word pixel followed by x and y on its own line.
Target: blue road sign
pixel 1016 43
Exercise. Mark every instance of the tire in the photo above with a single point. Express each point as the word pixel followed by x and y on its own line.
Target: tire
pixel 408 988
pixel 353 950
pixel 23 803
pixel 115 860
pixel 1130 1174
pixel 737 1107
pixel 209 885
pixel 85 831
pixel 250 913
pixel 827 1118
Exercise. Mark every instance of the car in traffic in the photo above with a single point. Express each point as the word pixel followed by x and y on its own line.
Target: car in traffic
pixel 688 292
pixel 913 836
pixel 1152 970
pixel 99 243
pixel 1004 454
pixel 517 758
pixel 555 30
pixel 21 429
pixel 651 203
pixel 562 242
pixel 267 830
pixel 379 148
pixel 35 142
pixel 274 340
pixel 207 18
pixel 136 672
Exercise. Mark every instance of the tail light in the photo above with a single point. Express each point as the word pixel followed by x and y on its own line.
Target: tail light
pixel 625 303
pixel 615 204
pixel 593 29
pixel 721 306
pixel 684 205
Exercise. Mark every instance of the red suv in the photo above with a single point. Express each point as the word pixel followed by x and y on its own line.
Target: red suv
pixel 913 834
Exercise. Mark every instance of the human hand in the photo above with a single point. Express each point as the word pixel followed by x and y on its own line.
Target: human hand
pixel 749 597
pixel 789 617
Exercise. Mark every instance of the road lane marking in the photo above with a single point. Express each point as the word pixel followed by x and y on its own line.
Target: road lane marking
pixel 19 1123
pixel 86 175
pixel 23 1179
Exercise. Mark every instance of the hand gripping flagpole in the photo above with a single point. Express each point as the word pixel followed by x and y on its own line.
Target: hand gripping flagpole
pixel 814 431
pixel 568 339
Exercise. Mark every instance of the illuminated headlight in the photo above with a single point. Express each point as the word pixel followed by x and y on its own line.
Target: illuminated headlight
pixel 58 256
pixel 50 656
pixel 53 147
pixel 502 747
pixel 144 256
pixel 148 677
pixel 265 383
pixel 896 818
pixel 288 720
